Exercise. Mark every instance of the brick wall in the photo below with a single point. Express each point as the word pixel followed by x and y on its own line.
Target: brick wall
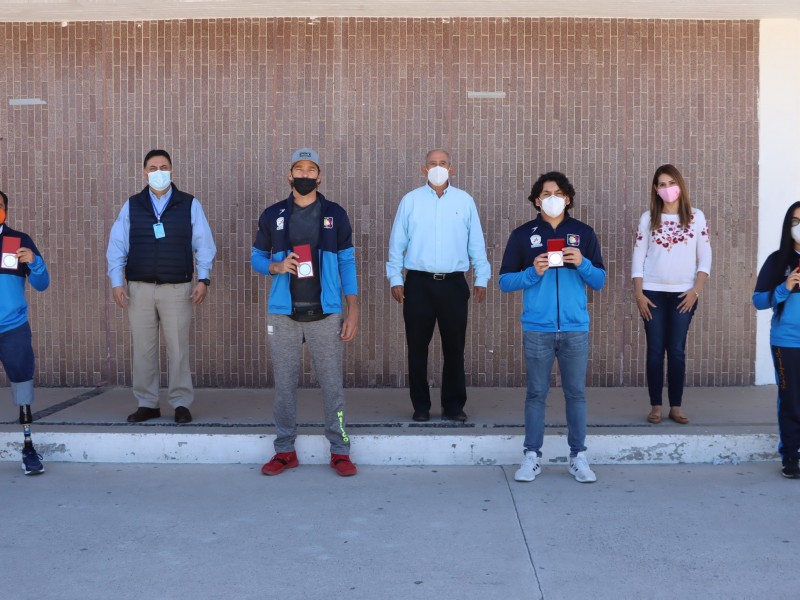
pixel 606 101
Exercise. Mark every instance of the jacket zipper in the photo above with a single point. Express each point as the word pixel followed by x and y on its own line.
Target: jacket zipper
pixel 558 304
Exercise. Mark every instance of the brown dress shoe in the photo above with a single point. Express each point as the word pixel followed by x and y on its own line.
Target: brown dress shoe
pixel 182 415
pixel 144 413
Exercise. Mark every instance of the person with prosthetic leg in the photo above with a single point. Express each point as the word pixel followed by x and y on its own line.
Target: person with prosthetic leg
pixel 20 260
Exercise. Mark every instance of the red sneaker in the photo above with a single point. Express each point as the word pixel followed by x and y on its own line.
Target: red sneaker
pixel 342 465
pixel 280 462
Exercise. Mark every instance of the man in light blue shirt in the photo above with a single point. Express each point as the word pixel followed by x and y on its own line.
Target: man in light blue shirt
pixel 154 242
pixel 435 237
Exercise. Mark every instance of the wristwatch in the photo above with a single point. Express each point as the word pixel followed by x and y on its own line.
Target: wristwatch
pixel 206 281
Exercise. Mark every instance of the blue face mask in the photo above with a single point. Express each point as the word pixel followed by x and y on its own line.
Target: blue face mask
pixel 159 180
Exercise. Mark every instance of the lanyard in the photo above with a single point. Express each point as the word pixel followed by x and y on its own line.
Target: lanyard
pixel 156 211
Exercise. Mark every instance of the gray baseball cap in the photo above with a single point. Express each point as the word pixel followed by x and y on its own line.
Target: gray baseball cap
pixel 305 154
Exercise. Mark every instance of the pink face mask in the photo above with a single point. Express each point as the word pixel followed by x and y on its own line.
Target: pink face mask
pixel 669 194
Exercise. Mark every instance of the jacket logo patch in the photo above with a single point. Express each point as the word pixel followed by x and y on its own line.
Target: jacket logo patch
pixel 536 241
pixel 573 239
pixel 279 223
pixel 327 222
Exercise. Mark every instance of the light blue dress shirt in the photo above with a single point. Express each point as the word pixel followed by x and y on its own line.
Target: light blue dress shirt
pixel 437 235
pixel 119 239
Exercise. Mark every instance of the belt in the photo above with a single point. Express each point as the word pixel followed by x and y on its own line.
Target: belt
pixel 159 282
pixel 436 276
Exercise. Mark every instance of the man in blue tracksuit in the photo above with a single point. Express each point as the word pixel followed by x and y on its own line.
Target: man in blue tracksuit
pixel 20 260
pixel 552 259
pixel 304 243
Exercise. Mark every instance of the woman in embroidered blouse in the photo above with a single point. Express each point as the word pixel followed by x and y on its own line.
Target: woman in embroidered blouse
pixel 671 262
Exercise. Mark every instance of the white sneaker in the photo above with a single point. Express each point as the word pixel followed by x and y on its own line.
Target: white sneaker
pixel 529 468
pixel 579 468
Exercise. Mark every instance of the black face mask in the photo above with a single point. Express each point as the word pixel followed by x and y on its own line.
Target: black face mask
pixel 304 185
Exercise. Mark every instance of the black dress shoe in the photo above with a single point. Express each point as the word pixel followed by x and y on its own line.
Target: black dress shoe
pixel 421 415
pixel 460 416
pixel 182 415
pixel 144 413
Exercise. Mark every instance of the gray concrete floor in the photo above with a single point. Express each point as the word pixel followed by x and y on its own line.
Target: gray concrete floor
pixel 85 531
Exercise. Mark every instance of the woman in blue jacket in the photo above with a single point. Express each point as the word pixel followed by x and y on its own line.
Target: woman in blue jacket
pixel 777 288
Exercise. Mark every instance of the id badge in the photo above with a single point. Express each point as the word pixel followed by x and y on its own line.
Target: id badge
pixel 158 229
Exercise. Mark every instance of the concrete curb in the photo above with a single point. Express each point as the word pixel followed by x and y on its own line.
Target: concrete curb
pixel 390 450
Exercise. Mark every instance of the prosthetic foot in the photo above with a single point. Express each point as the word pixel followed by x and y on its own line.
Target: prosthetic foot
pixel 31 460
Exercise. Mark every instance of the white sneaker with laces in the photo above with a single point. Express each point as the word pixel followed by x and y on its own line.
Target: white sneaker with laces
pixel 580 470
pixel 529 468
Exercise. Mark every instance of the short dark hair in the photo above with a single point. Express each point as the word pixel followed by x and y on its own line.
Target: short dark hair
pixel 561 181
pixel 154 153
pixel 5 199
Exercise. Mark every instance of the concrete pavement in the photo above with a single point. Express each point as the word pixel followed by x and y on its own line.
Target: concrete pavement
pixel 99 531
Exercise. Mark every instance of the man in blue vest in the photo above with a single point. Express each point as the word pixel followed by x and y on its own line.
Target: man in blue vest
pixel 20 260
pixel 154 242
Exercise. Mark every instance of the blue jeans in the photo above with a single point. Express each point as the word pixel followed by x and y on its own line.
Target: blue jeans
pixel 666 333
pixel 572 350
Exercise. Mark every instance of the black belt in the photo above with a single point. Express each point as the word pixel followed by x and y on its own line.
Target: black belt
pixel 307 314
pixel 159 282
pixel 436 276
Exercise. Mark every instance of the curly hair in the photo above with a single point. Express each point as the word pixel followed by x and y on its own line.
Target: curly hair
pixel 560 180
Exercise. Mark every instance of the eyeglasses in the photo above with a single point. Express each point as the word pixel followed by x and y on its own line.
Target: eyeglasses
pixel 545 195
pixel 795 221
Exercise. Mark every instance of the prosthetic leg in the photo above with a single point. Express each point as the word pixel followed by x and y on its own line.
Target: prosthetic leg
pixel 31 460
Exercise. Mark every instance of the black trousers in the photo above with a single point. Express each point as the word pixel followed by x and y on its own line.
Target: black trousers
pixel 787 375
pixel 428 302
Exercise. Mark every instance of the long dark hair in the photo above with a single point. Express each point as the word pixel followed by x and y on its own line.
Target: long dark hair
pixel 657 204
pixel 786 257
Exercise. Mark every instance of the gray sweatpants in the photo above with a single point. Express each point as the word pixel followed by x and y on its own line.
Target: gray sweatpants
pixel 326 349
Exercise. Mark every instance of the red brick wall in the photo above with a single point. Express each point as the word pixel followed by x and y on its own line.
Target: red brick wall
pixel 606 101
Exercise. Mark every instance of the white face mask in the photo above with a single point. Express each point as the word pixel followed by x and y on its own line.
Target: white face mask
pixel 796 233
pixel 553 206
pixel 159 180
pixel 438 176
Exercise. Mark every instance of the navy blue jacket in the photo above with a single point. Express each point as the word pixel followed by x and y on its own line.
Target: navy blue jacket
pixel 13 306
pixel 556 301
pixel 784 332
pixel 337 263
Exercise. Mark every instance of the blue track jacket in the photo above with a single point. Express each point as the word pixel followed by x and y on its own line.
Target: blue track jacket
pixel 13 306
pixel 556 301
pixel 337 263
pixel 784 332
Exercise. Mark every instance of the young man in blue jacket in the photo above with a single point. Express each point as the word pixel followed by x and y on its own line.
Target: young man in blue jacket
pixel 304 243
pixel 552 259
pixel 21 260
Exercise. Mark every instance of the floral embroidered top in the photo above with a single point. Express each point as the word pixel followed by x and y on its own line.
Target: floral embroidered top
pixel 669 257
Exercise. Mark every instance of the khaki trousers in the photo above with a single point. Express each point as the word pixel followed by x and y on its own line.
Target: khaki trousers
pixel 170 306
